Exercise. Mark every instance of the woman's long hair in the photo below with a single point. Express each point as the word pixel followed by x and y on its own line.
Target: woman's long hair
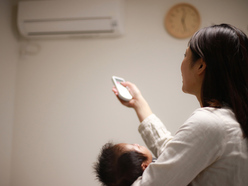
pixel 224 49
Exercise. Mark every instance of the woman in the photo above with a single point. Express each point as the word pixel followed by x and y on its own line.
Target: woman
pixel 211 147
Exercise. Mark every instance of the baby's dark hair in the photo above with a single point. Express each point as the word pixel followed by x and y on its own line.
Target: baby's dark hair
pixel 115 167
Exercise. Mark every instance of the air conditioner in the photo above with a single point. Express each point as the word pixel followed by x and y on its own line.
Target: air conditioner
pixel 39 19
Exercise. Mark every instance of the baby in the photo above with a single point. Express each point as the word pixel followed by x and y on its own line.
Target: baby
pixel 121 164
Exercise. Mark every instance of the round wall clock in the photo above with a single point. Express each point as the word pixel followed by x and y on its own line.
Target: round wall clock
pixel 182 20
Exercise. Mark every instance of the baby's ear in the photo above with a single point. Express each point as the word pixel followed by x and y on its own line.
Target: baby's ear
pixel 144 165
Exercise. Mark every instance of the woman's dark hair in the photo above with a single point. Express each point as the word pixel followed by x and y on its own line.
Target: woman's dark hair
pixel 224 49
pixel 116 167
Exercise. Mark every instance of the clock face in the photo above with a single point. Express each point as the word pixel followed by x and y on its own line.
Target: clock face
pixel 182 20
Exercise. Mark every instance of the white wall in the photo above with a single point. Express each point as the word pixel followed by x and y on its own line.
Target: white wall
pixel 65 110
pixel 8 60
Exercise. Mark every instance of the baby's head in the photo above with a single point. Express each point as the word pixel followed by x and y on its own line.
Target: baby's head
pixel 121 164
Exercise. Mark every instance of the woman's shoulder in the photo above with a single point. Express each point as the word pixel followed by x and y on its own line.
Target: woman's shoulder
pixel 205 129
pixel 221 115
pixel 214 120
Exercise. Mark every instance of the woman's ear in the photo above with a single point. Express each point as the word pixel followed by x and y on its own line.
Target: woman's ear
pixel 144 165
pixel 201 66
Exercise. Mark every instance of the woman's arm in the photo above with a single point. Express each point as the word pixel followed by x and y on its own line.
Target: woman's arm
pixel 152 130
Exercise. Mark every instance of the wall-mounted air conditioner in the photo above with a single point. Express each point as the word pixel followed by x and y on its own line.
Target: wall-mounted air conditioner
pixel 39 19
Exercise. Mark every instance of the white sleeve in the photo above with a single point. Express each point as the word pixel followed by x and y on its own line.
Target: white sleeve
pixel 154 134
pixel 197 144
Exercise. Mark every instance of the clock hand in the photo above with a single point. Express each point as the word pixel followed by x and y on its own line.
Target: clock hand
pixel 183 20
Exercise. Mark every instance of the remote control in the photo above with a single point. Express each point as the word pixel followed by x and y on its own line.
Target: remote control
pixel 123 92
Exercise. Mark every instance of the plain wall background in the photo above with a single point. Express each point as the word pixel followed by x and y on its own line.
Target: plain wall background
pixel 57 107
pixel 8 61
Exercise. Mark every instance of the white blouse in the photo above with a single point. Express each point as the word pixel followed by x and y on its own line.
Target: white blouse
pixel 207 150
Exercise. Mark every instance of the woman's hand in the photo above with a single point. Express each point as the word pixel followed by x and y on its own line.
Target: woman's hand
pixel 137 102
pixel 134 91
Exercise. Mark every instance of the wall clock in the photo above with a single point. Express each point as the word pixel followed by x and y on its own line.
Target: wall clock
pixel 182 20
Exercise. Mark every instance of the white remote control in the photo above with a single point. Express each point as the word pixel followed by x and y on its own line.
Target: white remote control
pixel 123 92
